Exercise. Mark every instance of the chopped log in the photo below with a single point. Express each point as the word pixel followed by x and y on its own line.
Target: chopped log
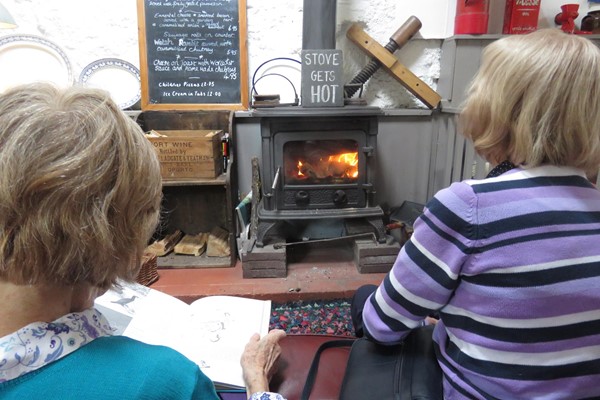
pixel 218 243
pixel 165 245
pixel 193 245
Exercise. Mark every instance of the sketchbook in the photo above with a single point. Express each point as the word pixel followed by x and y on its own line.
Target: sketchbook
pixel 212 331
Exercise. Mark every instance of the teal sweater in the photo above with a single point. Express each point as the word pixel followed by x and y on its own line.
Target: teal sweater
pixel 114 367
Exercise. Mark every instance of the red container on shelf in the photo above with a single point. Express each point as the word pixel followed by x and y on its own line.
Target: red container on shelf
pixel 521 16
pixel 471 17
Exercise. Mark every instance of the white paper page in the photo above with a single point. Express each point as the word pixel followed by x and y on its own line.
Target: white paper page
pixel 154 317
pixel 221 326
pixel 212 332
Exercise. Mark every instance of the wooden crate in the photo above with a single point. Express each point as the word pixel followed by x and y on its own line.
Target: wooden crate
pixel 188 154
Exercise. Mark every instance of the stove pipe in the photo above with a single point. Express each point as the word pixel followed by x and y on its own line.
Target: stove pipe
pixel 318 24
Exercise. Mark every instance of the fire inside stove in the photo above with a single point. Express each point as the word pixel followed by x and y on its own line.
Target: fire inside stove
pixel 321 162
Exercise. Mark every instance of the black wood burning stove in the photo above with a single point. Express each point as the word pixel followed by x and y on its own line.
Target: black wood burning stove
pixel 318 164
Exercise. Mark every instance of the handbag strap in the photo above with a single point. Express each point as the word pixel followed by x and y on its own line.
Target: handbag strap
pixel 314 366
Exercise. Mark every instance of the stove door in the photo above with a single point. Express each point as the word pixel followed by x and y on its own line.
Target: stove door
pixel 320 170
pixel 320 162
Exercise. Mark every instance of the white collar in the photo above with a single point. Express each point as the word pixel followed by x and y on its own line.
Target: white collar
pixel 523 172
pixel 41 343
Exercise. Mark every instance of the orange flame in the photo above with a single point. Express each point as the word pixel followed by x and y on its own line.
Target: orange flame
pixel 344 165
pixel 349 159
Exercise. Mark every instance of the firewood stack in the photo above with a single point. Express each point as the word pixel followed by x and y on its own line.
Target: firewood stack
pixel 212 244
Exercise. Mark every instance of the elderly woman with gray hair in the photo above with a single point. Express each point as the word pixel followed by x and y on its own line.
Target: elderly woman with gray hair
pixel 511 263
pixel 80 193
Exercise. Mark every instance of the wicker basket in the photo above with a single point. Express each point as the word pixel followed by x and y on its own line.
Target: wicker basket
pixel 149 271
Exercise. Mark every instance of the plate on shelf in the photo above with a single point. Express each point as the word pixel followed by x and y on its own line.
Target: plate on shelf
pixel 31 58
pixel 118 77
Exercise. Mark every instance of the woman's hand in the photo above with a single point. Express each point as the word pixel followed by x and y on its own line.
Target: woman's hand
pixel 258 359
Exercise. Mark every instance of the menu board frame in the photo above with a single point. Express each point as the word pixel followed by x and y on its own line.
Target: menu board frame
pixel 150 79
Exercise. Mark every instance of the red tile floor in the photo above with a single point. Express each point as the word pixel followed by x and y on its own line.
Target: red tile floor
pixel 323 273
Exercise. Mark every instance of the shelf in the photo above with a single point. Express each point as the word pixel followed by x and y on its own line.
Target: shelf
pixel 195 205
pixel 299 111
pixel 218 181
pixel 172 261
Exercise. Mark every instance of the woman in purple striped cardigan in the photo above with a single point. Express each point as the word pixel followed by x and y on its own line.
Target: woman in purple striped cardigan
pixel 511 263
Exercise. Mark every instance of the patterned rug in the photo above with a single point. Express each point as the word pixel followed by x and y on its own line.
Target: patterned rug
pixel 331 317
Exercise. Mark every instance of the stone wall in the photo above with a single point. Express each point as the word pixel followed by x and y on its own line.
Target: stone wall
pixel 91 30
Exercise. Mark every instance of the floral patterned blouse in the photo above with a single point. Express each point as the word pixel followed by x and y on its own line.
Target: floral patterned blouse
pixel 41 343
pixel 266 396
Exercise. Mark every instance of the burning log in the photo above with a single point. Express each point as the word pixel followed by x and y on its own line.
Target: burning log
pixel 334 167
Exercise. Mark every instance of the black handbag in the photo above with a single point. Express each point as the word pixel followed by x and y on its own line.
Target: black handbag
pixel 407 371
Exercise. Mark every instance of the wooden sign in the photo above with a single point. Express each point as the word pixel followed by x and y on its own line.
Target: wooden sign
pixel 193 54
pixel 321 78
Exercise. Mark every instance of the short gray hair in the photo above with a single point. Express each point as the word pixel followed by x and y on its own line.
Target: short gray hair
pixel 535 100
pixel 80 187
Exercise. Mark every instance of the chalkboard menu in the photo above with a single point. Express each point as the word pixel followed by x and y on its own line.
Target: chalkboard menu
pixel 192 54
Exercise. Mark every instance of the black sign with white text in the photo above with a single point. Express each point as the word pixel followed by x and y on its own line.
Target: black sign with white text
pixel 322 78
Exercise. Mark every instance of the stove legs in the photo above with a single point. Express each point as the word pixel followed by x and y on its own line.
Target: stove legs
pixel 377 223
pixel 264 227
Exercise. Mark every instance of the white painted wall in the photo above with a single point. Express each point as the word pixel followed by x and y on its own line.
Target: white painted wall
pixel 89 30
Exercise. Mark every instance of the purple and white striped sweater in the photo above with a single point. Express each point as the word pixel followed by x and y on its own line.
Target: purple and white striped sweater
pixel 512 264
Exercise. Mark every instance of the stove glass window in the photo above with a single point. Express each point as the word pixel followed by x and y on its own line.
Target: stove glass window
pixel 318 162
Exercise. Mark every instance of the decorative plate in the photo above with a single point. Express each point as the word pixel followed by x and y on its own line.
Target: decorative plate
pixel 31 58
pixel 120 78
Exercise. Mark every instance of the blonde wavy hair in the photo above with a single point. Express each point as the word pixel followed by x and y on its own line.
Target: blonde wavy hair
pixel 80 187
pixel 536 100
